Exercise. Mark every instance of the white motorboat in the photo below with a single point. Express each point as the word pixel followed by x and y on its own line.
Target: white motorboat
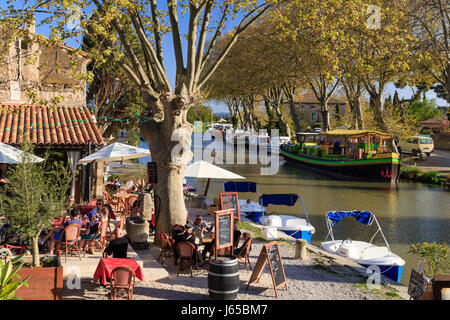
pixel 248 208
pixel 296 227
pixel 363 253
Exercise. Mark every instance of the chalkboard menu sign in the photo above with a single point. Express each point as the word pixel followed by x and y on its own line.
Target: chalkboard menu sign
pixel 152 175
pixel 224 229
pixel 416 286
pixel 230 200
pixel 270 254
pixel 276 265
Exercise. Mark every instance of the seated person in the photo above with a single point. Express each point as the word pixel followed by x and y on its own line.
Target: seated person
pixel 236 235
pixel 209 246
pixel 201 226
pixel 91 231
pixel 131 186
pixel 117 247
pixel 57 231
pixel 246 236
pixel 135 208
pixel 185 236
pixel 100 210
pixel 176 230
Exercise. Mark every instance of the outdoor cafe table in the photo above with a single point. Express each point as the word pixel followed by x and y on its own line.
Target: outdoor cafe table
pixel 107 265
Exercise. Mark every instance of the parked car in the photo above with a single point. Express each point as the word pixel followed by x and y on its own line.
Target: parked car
pixel 417 145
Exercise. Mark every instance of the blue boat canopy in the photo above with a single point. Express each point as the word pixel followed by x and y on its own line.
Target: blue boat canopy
pixel 364 217
pixel 232 186
pixel 287 199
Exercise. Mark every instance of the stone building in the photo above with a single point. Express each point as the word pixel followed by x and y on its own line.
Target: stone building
pixel 308 109
pixel 42 100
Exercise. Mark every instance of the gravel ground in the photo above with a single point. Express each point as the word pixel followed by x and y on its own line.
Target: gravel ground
pixel 317 278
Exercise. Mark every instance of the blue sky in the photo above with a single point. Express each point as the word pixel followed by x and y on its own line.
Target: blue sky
pixel 170 60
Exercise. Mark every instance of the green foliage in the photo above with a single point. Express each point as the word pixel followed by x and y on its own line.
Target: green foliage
pixel 234 121
pixel 436 257
pixel 424 109
pixel 200 113
pixel 8 275
pixel 431 177
pixel 317 125
pixel 35 196
pixel 410 172
pixel 426 131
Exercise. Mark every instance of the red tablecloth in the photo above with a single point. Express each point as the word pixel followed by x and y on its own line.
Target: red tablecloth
pixel 85 209
pixel 107 265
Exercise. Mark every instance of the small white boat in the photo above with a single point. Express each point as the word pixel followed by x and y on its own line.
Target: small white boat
pixel 363 253
pixel 293 226
pixel 248 208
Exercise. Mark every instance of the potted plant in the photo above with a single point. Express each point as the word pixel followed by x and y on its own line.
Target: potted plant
pixel 35 196
pixel 436 262
pixel 8 275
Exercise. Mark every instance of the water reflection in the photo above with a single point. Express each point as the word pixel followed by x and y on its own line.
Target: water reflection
pixel 408 212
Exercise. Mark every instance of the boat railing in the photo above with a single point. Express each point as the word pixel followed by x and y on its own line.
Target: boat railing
pixel 382 234
pixel 301 202
pixel 330 230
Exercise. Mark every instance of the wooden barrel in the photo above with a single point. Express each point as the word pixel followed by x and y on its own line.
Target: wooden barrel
pixel 223 278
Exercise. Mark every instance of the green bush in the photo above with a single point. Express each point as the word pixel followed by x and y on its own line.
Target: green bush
pixel 436 257
pixel 410 172
pixel 8 274
pixel 430 177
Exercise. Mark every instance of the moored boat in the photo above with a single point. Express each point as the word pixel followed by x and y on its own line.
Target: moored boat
pixel 294 226
pixel 248 208
pixel 354 154
pixel 364 253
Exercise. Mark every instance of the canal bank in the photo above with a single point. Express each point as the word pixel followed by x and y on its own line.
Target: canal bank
pixel 408 212
pixel 432 170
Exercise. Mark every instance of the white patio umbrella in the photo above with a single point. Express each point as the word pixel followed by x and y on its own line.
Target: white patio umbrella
pixel 116 152
pixel 9 154
pixel 203 169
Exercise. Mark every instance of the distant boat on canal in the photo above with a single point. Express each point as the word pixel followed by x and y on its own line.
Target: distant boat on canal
pixel 354 154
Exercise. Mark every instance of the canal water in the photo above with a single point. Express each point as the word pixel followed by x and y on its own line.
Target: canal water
pixel 407 212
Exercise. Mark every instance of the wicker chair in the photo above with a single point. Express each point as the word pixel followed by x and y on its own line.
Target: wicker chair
pixel 166 247
pixel 100 240
pixel 185 252
pixel 122 279
pixel 243 254
pixel 71 235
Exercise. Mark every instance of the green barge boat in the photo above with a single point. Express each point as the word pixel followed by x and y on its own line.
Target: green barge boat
pixel 348 154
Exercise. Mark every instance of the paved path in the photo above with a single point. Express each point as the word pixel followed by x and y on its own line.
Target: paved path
pixel 438 161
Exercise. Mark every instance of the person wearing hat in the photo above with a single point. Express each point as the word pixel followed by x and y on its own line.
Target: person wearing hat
pixel 185 236
pixel 91 230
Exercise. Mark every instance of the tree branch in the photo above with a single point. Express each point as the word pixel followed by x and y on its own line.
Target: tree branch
pixel 238 31
pixel 157 32
pixel 202 38
pixel 176 37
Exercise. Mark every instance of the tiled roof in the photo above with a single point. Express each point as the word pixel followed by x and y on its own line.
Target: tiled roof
pixel 61 126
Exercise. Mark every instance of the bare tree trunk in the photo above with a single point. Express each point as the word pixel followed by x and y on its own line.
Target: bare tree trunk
pixel 359 114
pixel 35 251
pixel 170 172
pixel 324 110
pixel 378 111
